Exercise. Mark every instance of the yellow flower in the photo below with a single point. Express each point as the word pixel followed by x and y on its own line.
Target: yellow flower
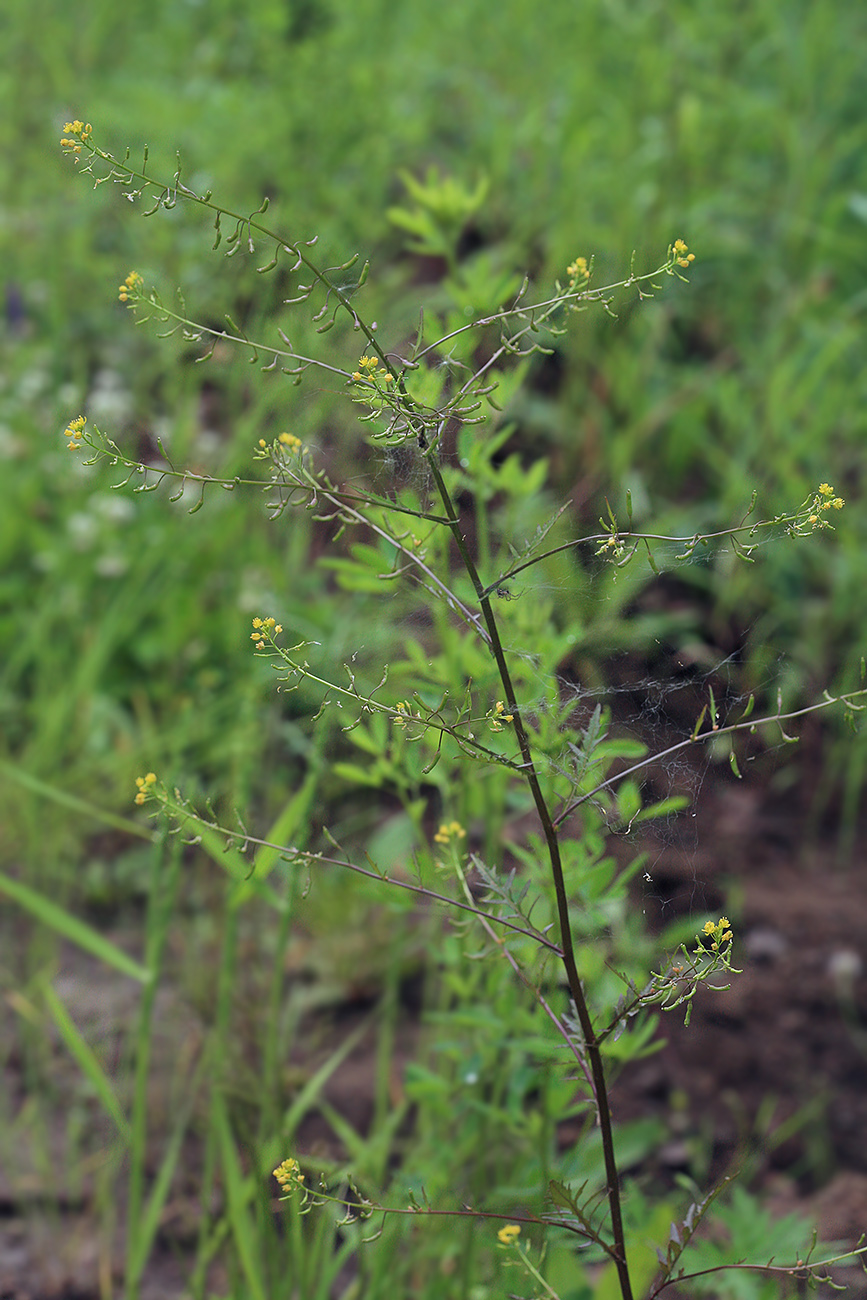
pixel 288 1174
pixel 265 629
pixel 131 285
pixel 289 440
pixel 681 252
pixel 718 932
pixel 498 716
pixel 78 131
pixel 144 784
pixel 508 1234
pixel 826 489
pixel 449 831
pixel 72 430
pixel 578 270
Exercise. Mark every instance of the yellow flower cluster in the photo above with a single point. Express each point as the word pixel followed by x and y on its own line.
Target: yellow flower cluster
pixel 72 431
pixel 367 369
pixel 498 716
pixel 509 1234
pixel 449 831
pixel 131 285
pixel 718 932
pixel 826 492
pixel 265 630
pixel 684 256
pixel 144 784
pixel 824 499
pixel 75 132
pixel 578 272
pixel 287 441
pixel 288 1174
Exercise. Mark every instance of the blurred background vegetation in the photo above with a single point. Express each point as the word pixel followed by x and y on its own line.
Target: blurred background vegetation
pixel 605 129
pixel 598 128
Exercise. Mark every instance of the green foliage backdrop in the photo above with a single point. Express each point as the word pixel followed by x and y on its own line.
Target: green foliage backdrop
pixel 589 129
pixel 604 128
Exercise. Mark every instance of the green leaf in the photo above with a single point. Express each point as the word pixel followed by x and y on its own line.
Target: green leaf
pixel 561 1195
pixel 88 1064
pixel 355 577
pixel 673 804
pixel 697 728
pixel 290 824
pixel 238 1195
pixel 641 1252
pixel 368 777
pixel 71 928
pixel 74 802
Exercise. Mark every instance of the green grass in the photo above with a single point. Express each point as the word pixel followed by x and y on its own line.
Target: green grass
pixel 606 129
pixel 124 620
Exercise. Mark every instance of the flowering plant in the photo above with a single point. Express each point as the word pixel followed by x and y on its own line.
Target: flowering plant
pixel 473 699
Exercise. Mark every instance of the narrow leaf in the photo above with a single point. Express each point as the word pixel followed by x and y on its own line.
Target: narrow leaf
pixel 71 928
pixel 238 1192
pixel 88 1064
pixel 697 728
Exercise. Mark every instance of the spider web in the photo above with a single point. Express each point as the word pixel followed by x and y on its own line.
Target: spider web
pixel 658 706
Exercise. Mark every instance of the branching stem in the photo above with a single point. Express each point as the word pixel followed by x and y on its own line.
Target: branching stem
pixel 576 990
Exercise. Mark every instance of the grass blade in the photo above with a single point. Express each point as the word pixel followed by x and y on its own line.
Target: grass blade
pixel 74 802
pixel 71 928
pixel 238 1190
pixel 89 1065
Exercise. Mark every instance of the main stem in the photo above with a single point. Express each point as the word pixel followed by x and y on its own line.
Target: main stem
pixel 591 1042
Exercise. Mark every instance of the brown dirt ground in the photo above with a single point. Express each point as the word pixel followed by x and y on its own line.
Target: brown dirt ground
pixel 787 1044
